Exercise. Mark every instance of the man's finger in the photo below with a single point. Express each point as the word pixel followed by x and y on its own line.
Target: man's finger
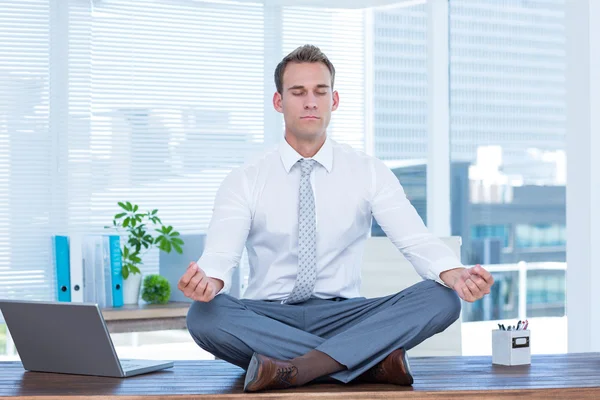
pixel 209 293
pixel 189 273
pixel 464 275
pixel 461 294
pixel 467 294
pixel 473 289
pixel 462 290
pixel 483 273
pixel 183 281
pixel 201 288
pixel 186 280
pixel 204 295
pixel 481 284
pixel 193 284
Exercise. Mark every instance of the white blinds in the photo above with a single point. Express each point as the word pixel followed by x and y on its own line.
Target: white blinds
pixel 27 149
pixel 340 34
pixel 151 102
pixel 175 102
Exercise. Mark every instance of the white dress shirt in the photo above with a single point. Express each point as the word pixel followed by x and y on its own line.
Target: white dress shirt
pixel 257 206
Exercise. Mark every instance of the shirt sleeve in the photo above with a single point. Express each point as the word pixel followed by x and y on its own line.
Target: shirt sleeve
pixel 228 229
pixel 404 227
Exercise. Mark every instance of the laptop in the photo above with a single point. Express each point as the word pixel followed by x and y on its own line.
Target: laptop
pixel 69 338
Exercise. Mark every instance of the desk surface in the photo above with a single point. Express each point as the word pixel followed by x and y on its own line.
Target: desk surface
pixel 567 376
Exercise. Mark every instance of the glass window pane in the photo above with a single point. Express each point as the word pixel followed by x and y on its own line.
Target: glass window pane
pixel 508 162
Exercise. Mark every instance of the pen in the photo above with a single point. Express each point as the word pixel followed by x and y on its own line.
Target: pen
pixel 518 325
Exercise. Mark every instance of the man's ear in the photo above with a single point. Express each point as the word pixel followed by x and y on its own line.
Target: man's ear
pixel 277 102
pixel 336 100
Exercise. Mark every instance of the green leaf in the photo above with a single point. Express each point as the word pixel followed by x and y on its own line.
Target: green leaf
pixel 177 248
pixel 129 206
pixel 120 215
pixel 176 241
pixel 135 208
pixel 122 205
pixel 175 233
pixel 135 269
pixel 125 272
pixel 154 212
pixel 133 222
pixel 125 252
pixel 126 222
pixel 135 259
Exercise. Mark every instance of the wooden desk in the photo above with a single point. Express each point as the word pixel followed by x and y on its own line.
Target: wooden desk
pixel 564 376
pixel 146 317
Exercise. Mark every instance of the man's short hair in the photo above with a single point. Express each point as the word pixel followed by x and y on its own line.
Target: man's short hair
pixel 303 54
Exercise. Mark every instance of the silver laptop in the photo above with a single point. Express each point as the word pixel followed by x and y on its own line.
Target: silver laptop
pixel 69 338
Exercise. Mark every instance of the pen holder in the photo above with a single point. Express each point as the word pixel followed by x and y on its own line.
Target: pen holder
pixel 510 347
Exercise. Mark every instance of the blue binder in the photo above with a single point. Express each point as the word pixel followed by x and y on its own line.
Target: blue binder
pixel 116 265
pixel 63 270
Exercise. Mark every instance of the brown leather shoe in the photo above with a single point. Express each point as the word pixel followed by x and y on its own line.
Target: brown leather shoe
pixel 393 369
pixel 268 373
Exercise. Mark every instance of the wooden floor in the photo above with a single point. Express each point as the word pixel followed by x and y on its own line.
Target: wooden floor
pixel 568 376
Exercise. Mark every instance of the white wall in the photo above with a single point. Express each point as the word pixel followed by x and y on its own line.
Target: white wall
pixel 583 175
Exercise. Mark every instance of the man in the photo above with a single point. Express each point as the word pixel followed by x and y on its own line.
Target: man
pixel 304 211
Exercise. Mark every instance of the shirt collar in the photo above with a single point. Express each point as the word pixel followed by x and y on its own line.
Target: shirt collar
pixel 289 156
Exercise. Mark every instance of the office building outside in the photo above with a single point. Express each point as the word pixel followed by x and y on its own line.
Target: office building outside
pixel 507 133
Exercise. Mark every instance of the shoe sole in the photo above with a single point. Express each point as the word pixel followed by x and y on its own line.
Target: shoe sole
pixel 251 373
pixel 408 371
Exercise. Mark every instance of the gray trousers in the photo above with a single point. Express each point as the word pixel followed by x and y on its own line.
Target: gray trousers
pixel 357 332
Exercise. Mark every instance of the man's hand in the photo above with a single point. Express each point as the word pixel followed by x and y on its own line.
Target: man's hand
pixel 197 286
pixel 471 284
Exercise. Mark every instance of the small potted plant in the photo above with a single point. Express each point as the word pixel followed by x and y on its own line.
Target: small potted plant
pixel 144 231
pixel 156 289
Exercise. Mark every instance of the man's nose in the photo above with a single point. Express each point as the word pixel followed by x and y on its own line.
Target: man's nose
pixel 311 102
pixel 310 105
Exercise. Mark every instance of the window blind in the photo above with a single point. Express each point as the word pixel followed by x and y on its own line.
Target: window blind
pixel 153 102
pixel 340 34
pixel 27 150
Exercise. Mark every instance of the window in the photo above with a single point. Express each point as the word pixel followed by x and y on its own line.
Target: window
pixel 540 236
pixel 507 141
pixel 500 232
pixel 152 101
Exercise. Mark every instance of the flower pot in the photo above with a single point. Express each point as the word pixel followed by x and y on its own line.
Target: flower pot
pixel 131 288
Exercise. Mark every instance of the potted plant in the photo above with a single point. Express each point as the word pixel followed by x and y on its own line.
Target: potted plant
pixel 156 289
pixel 144 231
